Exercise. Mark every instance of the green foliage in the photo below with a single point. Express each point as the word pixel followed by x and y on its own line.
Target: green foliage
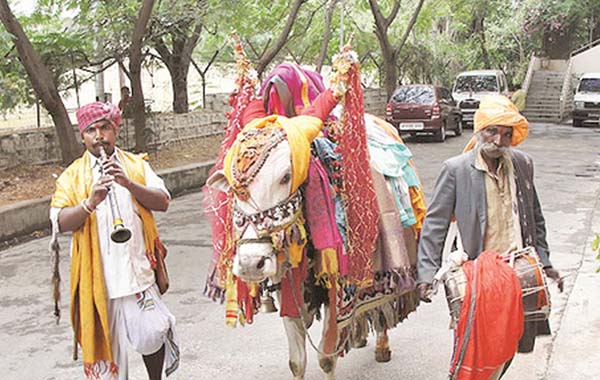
pixel 596 248
pixel 449 36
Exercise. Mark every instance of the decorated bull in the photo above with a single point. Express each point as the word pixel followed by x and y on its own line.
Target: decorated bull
pixel 327 217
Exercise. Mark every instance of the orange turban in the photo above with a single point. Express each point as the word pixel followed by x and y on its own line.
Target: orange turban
pixel 499 110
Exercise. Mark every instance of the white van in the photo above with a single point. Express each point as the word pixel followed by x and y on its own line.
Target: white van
pixel 471 86
pixel 586 101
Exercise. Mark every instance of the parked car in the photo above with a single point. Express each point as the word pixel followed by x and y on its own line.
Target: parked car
pixel 471 86
pixel 424 109
pixel 586 101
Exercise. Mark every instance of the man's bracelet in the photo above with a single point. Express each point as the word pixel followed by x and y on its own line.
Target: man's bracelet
pixel 86 208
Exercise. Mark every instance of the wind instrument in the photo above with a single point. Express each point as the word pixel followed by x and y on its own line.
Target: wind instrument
pixel 120 233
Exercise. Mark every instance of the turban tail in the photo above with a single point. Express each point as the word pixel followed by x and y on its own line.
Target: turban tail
pixel 499 110
pixel 97 111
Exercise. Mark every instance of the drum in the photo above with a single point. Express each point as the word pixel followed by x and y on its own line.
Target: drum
pixel 534 285
pixel 529 271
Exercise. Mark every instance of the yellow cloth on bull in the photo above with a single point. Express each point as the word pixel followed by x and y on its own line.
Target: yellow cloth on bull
pixel 499 110
pixel 300 131
pixel 89 311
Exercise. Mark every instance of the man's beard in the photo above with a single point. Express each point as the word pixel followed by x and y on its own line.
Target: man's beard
pixel 492 150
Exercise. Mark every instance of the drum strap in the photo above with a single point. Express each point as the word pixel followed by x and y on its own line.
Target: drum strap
pixel 469 327
pixel 453 233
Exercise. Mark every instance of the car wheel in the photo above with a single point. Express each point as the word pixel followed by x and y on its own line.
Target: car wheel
pixel 441 135
pixel 577 123
pixel 459 128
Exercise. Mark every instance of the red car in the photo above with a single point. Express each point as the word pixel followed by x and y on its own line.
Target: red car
pixel 424 109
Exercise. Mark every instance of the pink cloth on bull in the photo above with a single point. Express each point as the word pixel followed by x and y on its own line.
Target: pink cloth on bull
pixel 97 111
pixel 320 217
pixel 304 86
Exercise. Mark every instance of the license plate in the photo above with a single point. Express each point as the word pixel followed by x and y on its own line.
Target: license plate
pixel 594 115
pixel 411 126
pixel 467 116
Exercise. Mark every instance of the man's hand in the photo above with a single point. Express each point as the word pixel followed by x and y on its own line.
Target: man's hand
pixel 425 292
pixel 553 274
pixel 99 192
pixel 114 170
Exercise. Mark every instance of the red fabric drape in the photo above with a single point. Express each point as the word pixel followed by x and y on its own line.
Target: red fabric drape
pixel 497 323
pixel 358 192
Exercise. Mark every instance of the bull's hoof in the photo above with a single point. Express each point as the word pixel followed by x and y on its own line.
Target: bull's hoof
pixel 360 343
pixel 383 355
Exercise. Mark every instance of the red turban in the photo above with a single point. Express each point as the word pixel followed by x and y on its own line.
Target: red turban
pixel 97 111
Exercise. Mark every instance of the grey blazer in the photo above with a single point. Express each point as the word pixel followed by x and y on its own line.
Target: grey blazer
pixel 460 191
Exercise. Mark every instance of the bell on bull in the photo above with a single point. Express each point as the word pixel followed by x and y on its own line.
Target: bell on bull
pixel 267 304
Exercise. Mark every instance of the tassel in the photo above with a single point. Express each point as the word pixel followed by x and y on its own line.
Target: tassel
pixel 231 302
pixel 55 248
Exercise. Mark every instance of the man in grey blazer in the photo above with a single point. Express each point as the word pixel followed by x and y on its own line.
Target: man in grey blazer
pixel 490 192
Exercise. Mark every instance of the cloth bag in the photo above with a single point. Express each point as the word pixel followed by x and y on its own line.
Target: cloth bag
pixel 160 269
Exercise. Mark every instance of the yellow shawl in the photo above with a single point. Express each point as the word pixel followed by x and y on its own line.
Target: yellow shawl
pixel 89 307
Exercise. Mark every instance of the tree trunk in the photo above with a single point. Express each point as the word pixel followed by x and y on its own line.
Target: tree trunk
pixel 391 72
pixel 179 73
pixel 268 56
pixel 326 35
pixel 484 52
pixel 43 85
pixel 178 60
pixel 388 52
pixel 135 70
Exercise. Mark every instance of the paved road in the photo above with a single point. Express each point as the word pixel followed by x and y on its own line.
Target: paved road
pixel 33 347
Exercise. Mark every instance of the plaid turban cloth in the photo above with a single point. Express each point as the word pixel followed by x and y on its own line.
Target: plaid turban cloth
pixel 97 111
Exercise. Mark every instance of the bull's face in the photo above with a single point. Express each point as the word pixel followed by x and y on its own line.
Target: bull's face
pixel 257 214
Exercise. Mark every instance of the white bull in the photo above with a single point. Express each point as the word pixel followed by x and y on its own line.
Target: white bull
pixel 268 193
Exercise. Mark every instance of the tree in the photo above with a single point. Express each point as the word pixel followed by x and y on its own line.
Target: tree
pixel 326 34
pixel 390 52
pixel 43 84
pixel 271 52
pixel 135 70
pixel 183 28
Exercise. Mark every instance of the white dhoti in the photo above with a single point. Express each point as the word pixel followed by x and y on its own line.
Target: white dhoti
pixel 142 320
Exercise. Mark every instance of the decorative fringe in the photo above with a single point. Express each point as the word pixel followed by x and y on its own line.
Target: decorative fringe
pixel 99 371
pixel 386 316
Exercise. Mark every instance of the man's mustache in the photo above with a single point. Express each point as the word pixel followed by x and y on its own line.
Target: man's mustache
pixel 98 143
pixel 493 149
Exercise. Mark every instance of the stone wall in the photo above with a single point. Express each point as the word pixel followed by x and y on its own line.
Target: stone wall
pixel 40 146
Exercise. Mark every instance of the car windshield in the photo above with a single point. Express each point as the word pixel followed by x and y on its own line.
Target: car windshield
pixel 476 83
pixel 414 94
pixel 589 85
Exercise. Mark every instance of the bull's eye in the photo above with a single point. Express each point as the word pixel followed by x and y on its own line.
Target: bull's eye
pixel 285 179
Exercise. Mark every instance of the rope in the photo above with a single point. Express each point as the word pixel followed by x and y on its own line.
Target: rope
pixel 304 324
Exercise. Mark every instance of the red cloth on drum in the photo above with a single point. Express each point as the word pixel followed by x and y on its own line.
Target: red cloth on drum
pixel 288 304
pixel 497 323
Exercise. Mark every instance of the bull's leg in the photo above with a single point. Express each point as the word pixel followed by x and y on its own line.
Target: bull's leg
pixel 328 345
pixel 296 334
pixel 383 353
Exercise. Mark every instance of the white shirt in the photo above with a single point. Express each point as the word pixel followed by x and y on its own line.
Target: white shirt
pixel 126 268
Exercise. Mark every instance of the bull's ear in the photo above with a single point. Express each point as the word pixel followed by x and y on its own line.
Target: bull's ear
pixel 218 181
